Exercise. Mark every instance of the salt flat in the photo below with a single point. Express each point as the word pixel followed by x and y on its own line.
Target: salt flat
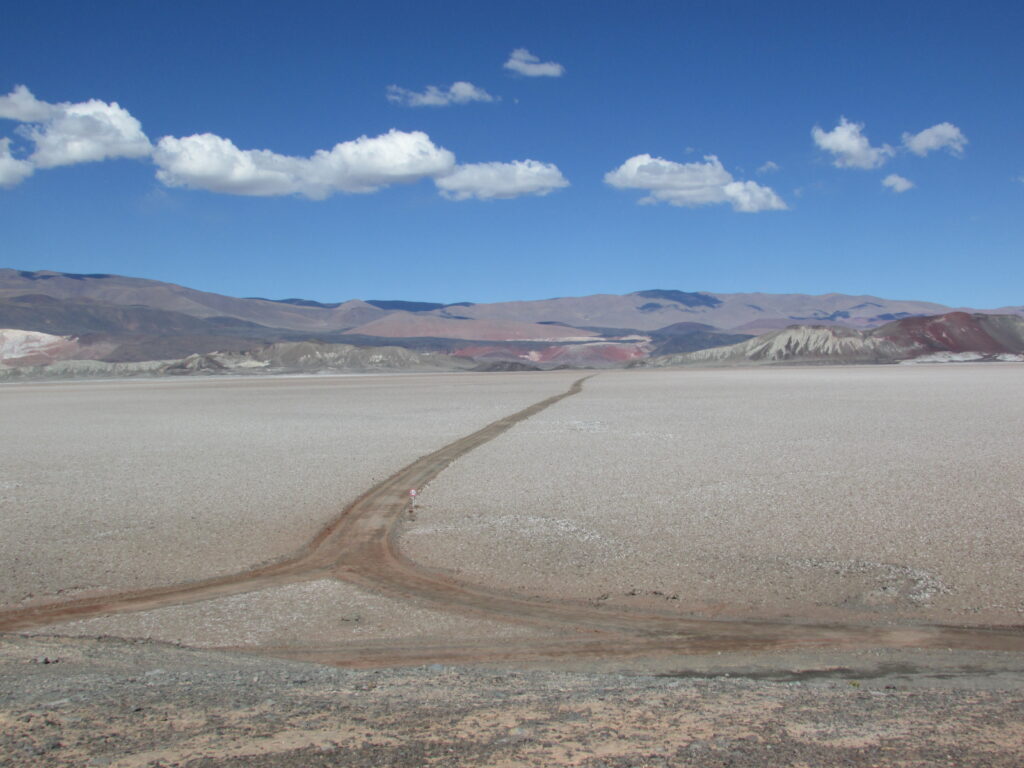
pixel 320 612
pixel 129 484
pixel 876 493
pixel 881 494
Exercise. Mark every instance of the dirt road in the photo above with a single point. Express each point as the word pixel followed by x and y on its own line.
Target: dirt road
pixel 360 547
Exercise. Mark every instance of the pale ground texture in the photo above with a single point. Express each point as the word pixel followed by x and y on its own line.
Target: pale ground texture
pixel 887 493
pixel 873 493
pixel 130 484
pixel 321 612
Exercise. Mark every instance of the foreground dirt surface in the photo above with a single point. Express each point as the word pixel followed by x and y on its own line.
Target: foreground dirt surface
pixel 121 704
pixel 448 667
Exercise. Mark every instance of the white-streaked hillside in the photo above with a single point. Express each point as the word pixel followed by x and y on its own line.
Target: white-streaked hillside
pixel 803 343
pixel 18 346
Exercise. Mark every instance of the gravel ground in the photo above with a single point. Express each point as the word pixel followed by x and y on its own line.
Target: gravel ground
pixel 118 704
pixel 129 484
pixel 873 493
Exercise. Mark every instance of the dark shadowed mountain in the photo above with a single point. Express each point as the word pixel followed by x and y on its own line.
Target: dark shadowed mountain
pixel 678 297
pixel 689 337
pixel 298 302
pixel 82 315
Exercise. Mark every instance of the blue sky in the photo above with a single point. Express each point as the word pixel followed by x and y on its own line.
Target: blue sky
pixel 581 164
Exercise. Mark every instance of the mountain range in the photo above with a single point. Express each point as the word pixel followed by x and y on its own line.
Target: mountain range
pixel 120 319
pixel 952 337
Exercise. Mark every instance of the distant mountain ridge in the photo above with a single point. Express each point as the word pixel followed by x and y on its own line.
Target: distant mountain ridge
pixel 137 319
pixel 407 306
pixel 645 310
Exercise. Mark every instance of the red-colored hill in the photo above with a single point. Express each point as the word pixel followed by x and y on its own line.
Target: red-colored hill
pixel 956 332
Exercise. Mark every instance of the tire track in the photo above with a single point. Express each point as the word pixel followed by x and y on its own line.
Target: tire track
pixel 360 546
pixel 343 538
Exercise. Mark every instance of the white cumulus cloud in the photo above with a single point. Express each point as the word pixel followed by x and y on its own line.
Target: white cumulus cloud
pixel 67 133
pixel 692 184
pixel 488 181
pixel 525 63
pixel 850 146
pixel 751 197
pixel 459 92
pixel 769 167
pixel 12 170
pixel 206 161
pixel 897 183
pixel 24 107
pixel 941 136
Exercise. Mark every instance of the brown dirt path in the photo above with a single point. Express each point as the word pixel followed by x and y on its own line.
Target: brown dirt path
pixel 360 546
pixel 362 524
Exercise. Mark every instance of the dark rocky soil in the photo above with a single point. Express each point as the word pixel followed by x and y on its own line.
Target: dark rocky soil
pixel 82 702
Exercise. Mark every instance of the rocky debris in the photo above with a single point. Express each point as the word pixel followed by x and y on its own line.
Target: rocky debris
pixel 119 703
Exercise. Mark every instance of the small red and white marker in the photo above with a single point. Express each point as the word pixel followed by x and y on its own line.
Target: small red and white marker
pixel 412 493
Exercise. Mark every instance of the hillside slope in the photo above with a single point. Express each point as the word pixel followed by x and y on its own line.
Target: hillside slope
pixel 134 291
pixel 647 310
pixel 976 336
pixel 24 355
pixel 739 312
